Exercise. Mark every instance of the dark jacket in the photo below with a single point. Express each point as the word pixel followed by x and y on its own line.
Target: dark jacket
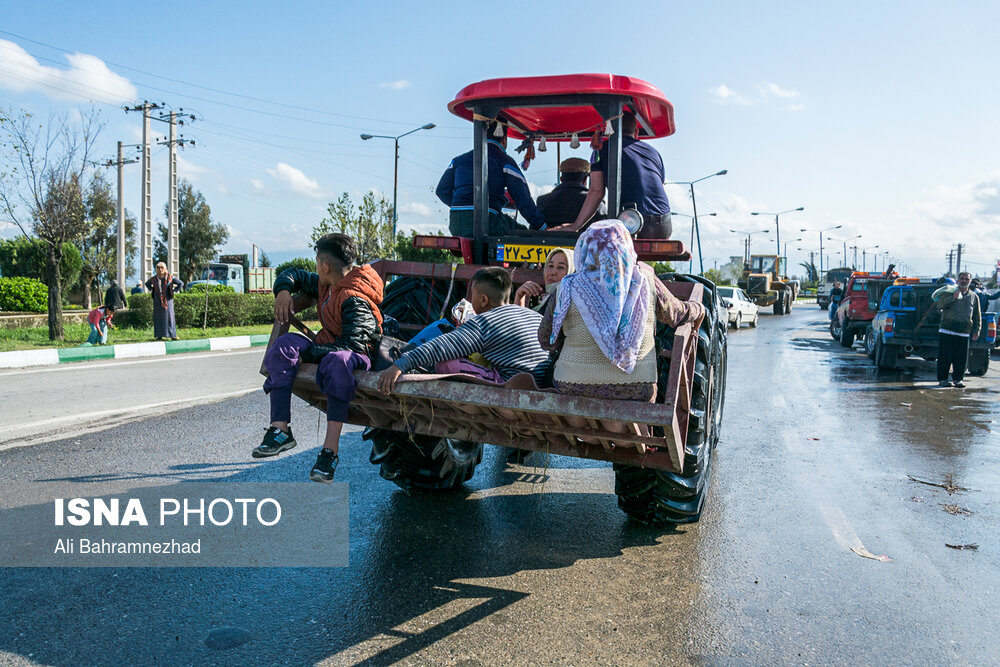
pixel 563 204
pixel 455 187
pixel 360 331
pixel 115 296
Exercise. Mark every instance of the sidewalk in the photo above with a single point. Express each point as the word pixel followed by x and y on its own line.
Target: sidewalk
pixel 64 355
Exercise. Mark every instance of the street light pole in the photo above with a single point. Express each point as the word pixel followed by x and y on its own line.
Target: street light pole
pixel 395 170
pixel 746 244
pixel 694 206
pixel 777 231
pixel 864 262
pixel 821 232
pixel 691 261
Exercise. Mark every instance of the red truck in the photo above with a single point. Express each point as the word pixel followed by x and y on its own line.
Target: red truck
pixel 858 305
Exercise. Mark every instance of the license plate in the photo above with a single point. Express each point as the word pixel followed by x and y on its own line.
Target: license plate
pixel 534 254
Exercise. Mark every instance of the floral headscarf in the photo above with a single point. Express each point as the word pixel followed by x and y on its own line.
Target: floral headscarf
pixel 609 290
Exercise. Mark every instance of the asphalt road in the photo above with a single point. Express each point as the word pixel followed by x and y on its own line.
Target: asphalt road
pixel 535 564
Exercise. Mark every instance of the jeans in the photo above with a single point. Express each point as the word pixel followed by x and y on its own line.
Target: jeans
pixel 98 333
pixel 953 352
pixel 461 224
pixel 334 375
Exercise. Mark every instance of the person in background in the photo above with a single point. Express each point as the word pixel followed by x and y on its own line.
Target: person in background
pixel 455 189
pixel 163 286
pixel 100 321
pixel 563 204
pixel 961 321
pixel 642 177
pixel 115 296
pixel 836 293
pixel 558 263
pixel 348 295
pixel 137 289
pixel 603 318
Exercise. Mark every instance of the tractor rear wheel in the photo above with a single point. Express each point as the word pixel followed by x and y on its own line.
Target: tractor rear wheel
pixel 663 497
pixel 789 302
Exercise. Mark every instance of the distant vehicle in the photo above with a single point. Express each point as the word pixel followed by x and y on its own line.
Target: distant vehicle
pixel 858 305
pixel 739 307
pixel 765 281
pixel 235 271
pixel 907 324
pixel 823 289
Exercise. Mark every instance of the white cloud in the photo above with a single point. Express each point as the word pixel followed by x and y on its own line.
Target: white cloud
pixel 257 185
pixel 87 78
pixel 766 91
pixel 539 190
pixel 296 181
pixel 398 84
pixel 222 189
pixel 190 170
pixel 418 209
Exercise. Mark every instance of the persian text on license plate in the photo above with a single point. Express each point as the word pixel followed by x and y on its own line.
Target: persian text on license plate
pixel 523 253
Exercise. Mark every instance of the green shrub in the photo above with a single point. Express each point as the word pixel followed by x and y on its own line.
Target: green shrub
pixel 304 263
pixel 224 310
pixel 201 288
pixel 24 294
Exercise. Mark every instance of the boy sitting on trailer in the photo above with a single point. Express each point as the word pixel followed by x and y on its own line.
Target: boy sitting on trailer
pixel 348 297
pixel 504 334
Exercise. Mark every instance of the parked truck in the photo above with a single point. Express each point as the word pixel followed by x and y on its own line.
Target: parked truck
pixel 765 280
pixel 840 275
pixel 907 325
pixel 858 305
pixel 236 272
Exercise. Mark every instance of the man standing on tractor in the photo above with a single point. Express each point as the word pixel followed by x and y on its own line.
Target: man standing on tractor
pixel 563 204
pixel 348 296
pixel 456 189
pixel 642 177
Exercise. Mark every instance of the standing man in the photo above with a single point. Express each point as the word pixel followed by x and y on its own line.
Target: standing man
pixel 836 293
pixel 348 295
pixel 960 323
pixel 115 296
pixel 642 184
pixel 563 204
pixel 456 189
pixel 163 286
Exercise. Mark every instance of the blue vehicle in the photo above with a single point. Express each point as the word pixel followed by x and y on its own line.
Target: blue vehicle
pixel 907 325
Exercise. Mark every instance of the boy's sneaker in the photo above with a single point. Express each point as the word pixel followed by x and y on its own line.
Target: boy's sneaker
pixel 944 383
pixel 958 385
pixel 326 465
pixel 275 441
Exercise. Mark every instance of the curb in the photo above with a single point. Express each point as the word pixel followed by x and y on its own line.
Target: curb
pixel 65 355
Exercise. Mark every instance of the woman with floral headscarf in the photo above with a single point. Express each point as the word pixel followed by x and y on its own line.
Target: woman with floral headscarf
pixel 603 319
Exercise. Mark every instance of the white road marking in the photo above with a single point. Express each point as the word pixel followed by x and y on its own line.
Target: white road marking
pixel 24 435
pixel 116 363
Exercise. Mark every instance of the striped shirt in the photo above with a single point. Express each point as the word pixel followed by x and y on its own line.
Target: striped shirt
pixel 507 336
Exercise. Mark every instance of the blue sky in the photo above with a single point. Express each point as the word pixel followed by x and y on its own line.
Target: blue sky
pixel 878 117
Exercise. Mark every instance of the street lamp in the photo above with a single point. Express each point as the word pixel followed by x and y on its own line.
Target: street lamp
pixel 746 244
pixel 694 206
pixel 864 263
pixel 691 261
pixel 777 232
pixel 844 241
pixel 395 172
pixel 821 231
pixel 786 246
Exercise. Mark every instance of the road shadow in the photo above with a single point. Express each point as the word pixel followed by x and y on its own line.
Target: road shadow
pixel 406 587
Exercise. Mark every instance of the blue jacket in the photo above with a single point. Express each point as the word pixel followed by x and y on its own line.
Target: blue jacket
pixel 456 189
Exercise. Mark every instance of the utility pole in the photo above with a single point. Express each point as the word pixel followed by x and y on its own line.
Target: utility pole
pixel 951 257
pixel 146 209
pixel 120 163
pixel 173 231
pixel 958 260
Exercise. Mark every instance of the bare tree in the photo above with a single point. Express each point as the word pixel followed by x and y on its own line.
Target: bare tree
pixel 43 172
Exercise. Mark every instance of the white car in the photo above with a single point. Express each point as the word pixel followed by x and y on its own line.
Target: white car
pixel 739 306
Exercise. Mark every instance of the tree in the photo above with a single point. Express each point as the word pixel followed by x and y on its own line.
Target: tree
pixel 811 272
pixel 25 257
pixel 198 237
pixel 662 267
pixel 99 247
pixel 304 263
pixel 717 277
pixel 264 259
pixel 42 178
pixel 370 225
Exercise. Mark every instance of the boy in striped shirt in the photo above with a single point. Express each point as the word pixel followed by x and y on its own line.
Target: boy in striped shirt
pixel 505 334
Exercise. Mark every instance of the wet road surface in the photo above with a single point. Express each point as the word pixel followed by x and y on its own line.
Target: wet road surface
pixel 535 564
